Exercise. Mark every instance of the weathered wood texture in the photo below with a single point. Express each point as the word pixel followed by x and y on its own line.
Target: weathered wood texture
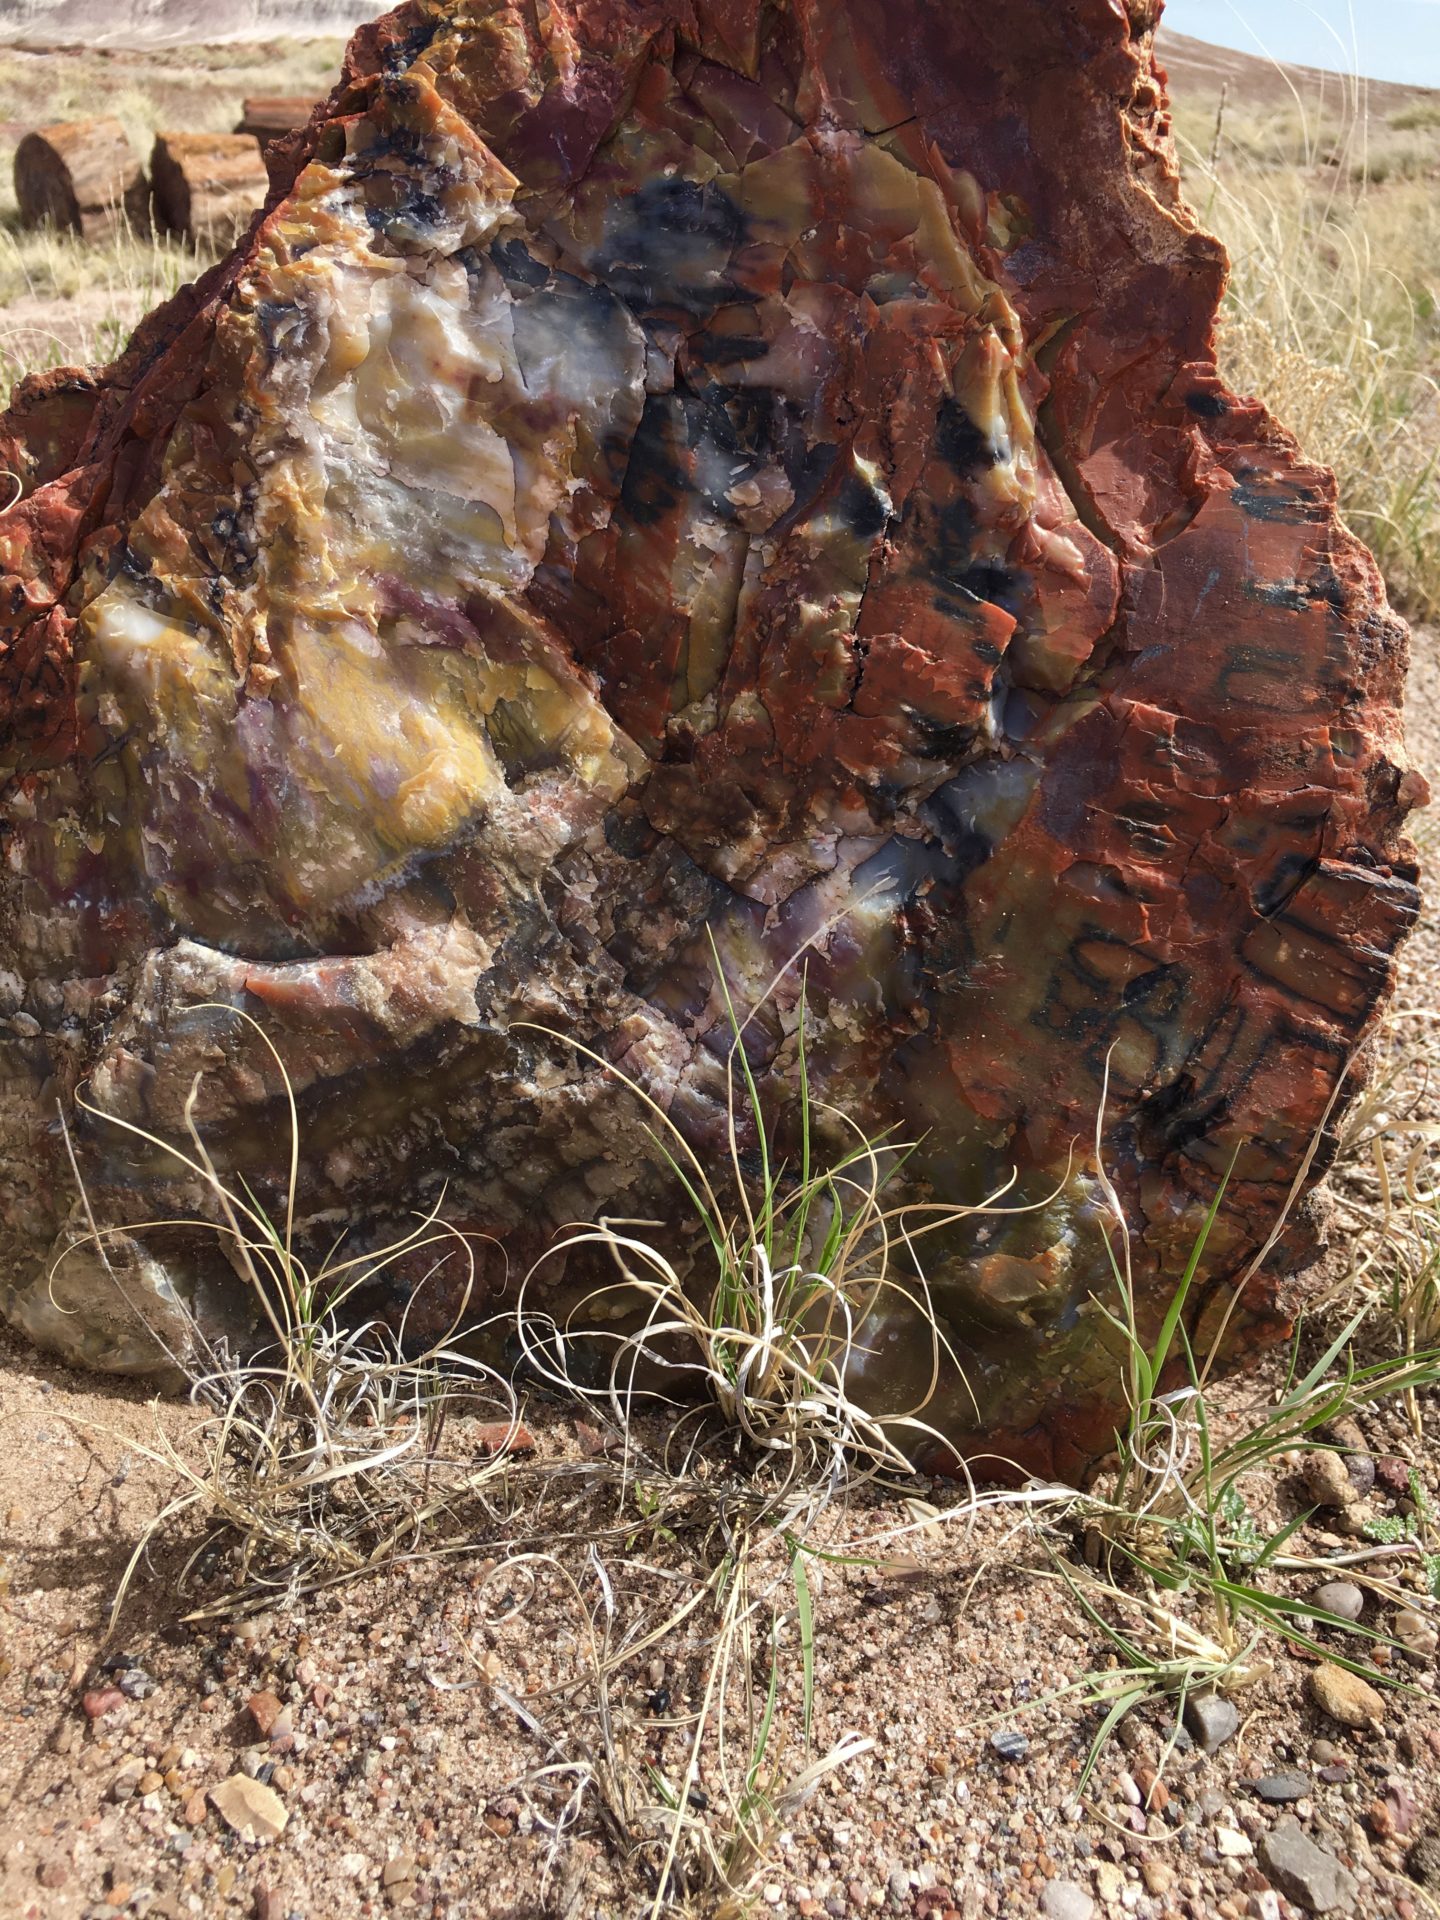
pixel 674 495
pixel 271 117
pixel 207 185
pixel 82 177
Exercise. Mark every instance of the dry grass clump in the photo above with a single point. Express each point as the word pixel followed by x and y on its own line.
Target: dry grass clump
pixel 723 1466
pixel 1333 311
pixel 799 1259
pixel 322 1454
pixel 333 1450
pixel 66 303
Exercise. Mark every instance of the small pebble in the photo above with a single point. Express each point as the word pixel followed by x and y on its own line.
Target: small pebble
pixel 1393 1473
pixel 1063 1900
pixel 1109 1882
pixel 1345 1696
pixel 1416 1635
pixel 1155 1794
pixel 102 1700
pixel 1212 1720
pixel 1345 1432
pixel 1340 1597
pixel 1304 1872
pixel 264 1709
pixel 1009 1744
pixel 127 1781
pixel 1326 1480
pixel 1361 1469
pixel 1353 1521
pixel 1278 1788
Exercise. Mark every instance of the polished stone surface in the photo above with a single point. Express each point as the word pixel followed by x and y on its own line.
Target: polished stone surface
pixel 662 472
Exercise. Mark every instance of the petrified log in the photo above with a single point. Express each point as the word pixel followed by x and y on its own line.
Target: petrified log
pixel 691 471
pixel 81 176
pixel 207 186
pixel 268 118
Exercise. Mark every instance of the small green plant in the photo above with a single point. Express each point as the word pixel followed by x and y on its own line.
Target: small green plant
pixel 801 1254
pixel 1169 1534
pixel 1417 1530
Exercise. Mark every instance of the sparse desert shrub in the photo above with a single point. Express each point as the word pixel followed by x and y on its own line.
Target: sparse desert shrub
pixel 1331 319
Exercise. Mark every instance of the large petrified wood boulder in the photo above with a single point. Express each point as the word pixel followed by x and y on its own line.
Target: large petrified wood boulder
pixel 685 469
pixel 268 117
pixel 208 186
pixel 82 177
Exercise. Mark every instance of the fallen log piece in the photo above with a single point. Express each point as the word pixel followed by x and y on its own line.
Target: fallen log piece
pixel 82 177
pixel 207 186
pixel 273 116
pixel 687 506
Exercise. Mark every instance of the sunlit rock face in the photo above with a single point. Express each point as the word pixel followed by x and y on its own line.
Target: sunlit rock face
pixel 663 474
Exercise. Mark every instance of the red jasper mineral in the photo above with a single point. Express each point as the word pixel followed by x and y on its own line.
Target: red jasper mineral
pixel 679 479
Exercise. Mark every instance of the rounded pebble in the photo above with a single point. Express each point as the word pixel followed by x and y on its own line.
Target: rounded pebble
pixel 1063 1900
pixel 1345 1696
pixel 1326 1480
pixel 1339 1597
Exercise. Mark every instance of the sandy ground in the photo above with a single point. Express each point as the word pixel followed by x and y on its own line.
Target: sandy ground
pixel 42 331
pixel 410 1779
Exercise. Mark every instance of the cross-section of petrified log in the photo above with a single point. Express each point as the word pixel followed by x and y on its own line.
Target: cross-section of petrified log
pixel 685 471
pixel 82 177
pixel 208 186
pixel 268 117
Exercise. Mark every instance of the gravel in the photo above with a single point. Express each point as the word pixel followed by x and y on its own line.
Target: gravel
pixel 1064 1900
pixel 1340 1597
pixel 1306 1873
pixel 1212 1720
pixel 1278 1788
pixel 1345 1697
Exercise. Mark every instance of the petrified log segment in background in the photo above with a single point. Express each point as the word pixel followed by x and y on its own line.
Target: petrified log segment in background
pixel 270 118
pixel 81 176
pixel 685 471
pixel 207 185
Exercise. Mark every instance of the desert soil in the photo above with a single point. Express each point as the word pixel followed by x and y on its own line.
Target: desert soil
pixel 410 1781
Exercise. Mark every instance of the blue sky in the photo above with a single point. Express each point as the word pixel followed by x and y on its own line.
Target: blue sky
pixel 1384 39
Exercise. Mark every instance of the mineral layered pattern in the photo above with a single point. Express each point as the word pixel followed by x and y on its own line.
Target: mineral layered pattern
pixel 668 479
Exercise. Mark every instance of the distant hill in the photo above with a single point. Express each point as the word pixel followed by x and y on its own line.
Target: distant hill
pixel 169 23
pixel 1194 66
